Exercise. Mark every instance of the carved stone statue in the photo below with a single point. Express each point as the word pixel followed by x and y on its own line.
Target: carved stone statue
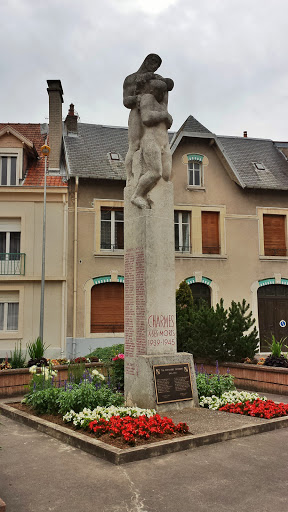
pixel 146 94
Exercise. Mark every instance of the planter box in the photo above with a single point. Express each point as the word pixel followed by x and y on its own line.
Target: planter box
pixel 253 377
pixel 15 382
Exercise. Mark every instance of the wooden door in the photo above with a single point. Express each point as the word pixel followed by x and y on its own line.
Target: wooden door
pixel 272 313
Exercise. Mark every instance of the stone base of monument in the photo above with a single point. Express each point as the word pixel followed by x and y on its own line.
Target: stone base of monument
pixel 164 382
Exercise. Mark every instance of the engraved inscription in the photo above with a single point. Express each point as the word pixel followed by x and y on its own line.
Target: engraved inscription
pixel 161 330
pixel 172 382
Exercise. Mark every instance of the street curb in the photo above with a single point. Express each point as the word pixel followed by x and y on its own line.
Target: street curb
pixel 133 454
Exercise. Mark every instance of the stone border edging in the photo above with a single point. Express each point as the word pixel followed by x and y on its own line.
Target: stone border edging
pixel 118 456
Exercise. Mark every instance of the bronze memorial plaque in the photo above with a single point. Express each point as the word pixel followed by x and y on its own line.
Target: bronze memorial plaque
pixel 172 382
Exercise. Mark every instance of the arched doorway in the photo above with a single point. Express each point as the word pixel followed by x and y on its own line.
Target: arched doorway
pixel 272 313
pixel 107 307
pixel 201 292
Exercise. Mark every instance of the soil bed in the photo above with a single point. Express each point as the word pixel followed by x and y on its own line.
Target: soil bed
pixel 105 438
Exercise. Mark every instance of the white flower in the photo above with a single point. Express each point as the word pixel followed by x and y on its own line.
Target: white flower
pixel 33 369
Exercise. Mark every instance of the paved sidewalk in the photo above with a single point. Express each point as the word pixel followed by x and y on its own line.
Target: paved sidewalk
pixel 39 473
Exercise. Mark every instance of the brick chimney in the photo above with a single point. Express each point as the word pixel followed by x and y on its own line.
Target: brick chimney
pixel 55 93
pixel 71 121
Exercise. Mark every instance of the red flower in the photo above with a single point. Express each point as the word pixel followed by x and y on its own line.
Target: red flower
pixel 132 428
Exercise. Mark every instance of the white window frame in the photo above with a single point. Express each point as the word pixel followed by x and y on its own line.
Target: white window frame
pixel 6 298
pixel 192 172
pixel 18 153
pixel 5 320
pixel 113 231
pixel 180 224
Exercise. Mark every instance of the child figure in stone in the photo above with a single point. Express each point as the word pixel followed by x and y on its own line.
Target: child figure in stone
pixel 155 155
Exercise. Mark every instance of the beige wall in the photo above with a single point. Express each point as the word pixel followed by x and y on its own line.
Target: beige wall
pixel 91 262
pixel 27 205
pixel 234 273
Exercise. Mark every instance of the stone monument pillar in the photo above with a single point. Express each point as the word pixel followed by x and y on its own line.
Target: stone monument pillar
pixel 150 309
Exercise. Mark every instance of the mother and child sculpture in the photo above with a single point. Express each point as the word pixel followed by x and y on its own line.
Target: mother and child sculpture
pixel 149 158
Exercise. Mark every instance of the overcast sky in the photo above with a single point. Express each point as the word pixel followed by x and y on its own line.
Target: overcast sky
pixel 226 57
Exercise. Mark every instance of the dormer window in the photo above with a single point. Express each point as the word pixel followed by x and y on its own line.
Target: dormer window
pixel 259 166
pixel 114 156
pixel 11 162
pixel 195 170
pixel 8 170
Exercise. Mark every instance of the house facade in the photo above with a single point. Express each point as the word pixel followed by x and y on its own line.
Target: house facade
pixel 21 227
pixel 230 202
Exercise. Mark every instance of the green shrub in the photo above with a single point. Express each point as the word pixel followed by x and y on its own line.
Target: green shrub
pixel 53 400
pixel 225 335
pixel 107 353
pixel 44 401
pixel 214 384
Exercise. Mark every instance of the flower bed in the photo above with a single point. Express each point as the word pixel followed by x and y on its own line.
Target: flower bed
pixel 230 397
pixel 132 429
pixel 116 441
pixel 260 378
pixel 15 382
pixel 259 408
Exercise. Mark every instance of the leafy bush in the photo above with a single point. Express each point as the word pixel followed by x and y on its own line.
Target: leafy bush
pixel 17 359
pixel 87 395
pixel 44 401
pixel 107 353
pixel 214 384
pixel 226 335
pixel 45 397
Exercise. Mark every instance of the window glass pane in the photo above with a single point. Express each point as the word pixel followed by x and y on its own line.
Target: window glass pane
pixel 191 178
pixel 185 235
pixel 197 177
pixel 105 235
pixel 13 171
pixel 105 215
pixel 196 166
pixel 12 318
pixel 119 235
pixel 185 217
pixel 4 170
pixel 14 246
pixel 119 215
pixel 1 316
pixel 176 216
pixel 2 242
pixel 176 228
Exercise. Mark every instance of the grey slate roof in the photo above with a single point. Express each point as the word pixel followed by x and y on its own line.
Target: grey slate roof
pixel 192 125
pixel 243 152
pixel 88 154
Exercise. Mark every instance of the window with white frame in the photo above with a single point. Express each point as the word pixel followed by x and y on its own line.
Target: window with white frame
pixel 112 228
pixel 9 311
pixel 182 231
pixel 195 170
pixel 10 235
pixel 8 170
